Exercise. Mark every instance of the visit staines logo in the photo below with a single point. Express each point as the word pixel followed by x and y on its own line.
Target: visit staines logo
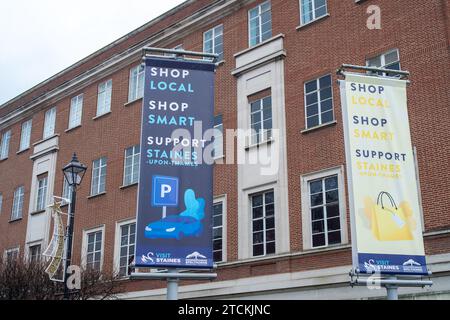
pixel 379 265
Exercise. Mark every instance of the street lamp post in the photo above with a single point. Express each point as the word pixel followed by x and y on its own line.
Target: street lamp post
pixel 73 173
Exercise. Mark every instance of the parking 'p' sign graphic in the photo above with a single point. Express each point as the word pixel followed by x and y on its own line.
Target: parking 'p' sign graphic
pixel 164 191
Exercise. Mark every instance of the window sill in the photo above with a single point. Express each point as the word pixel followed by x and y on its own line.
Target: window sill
pixel 327 248
pixel 132 102
pixel 328 124
pixel 23 150
pixel 101 115
pixel 46 139
pixel 37 212
pixel 96 195
pixel 259 144
pixel 128 186
pixel 3 159
pixel 312 22
pixel 73 128
pixel 15 220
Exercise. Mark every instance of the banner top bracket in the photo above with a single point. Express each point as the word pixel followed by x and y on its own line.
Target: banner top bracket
pixel 401 73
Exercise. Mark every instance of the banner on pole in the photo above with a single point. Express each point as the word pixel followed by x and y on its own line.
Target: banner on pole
pixel 174 220
pixel 384 200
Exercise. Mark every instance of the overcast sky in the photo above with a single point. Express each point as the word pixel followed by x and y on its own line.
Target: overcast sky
pixel 40 38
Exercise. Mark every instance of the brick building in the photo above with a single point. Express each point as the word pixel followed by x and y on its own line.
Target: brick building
pixel 280 55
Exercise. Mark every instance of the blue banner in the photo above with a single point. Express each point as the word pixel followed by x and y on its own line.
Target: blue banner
pixel 174 214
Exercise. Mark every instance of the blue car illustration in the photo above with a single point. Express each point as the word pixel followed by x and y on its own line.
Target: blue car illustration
pixel 174 227
pixel 186 224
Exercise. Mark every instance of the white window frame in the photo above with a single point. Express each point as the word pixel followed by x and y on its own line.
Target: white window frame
pixel 136 83
pixel 260 39
pixel 117 243
pixel 84 245
pixel 319 101
pixel 1 202
pixel 49 123
pixel 97 173
pixel 41 193
pixel 6 140
pixel 104 97
pixel 17 214
pixel 306 212
pixel 302 23
pixel 134 167
pixel 25 135
pixel 263 218
pixel 218 138
pixel 76 111
pixel 31 245
pixel 216 33
pixel 383 61
pixel 223 199
pixel 10 250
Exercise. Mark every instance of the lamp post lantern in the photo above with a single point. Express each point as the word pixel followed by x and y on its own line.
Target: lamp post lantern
pixel 73 173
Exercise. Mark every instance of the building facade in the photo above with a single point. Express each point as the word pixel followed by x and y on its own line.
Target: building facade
pixel 280 235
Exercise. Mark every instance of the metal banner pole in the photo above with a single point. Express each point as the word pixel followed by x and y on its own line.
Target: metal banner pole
pixel 392 289
pixel 172 286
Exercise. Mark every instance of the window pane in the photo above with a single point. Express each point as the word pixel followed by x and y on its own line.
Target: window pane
pixel 257 200
pixel 325 93
pixel 257 212
pixel 312 121
pixel 269 197
pixel 326 105
pixel 331 183
pixel 333 224
pixel 312 110
pixel 316 199
pixel 217 256
pixel 217 233
pixel 332 196
pixel 258 225
pixel 391 57
pixel 270 248
pixel 318 226
pixel 311 86
pixel 317 213
pixel 258 250
pixel 318 240
pixel 258 237
pixel 325 81
pixel 311 98
pixel 217 244
pixel 315 186
pixel 334 237
pixel 327 116
pixel 270 235
pixel 270 223
pixel 333 211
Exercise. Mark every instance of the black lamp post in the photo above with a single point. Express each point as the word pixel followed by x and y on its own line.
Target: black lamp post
pixel 73 173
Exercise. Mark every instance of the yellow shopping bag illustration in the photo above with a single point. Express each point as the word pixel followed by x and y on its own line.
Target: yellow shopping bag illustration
pixel 389 222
